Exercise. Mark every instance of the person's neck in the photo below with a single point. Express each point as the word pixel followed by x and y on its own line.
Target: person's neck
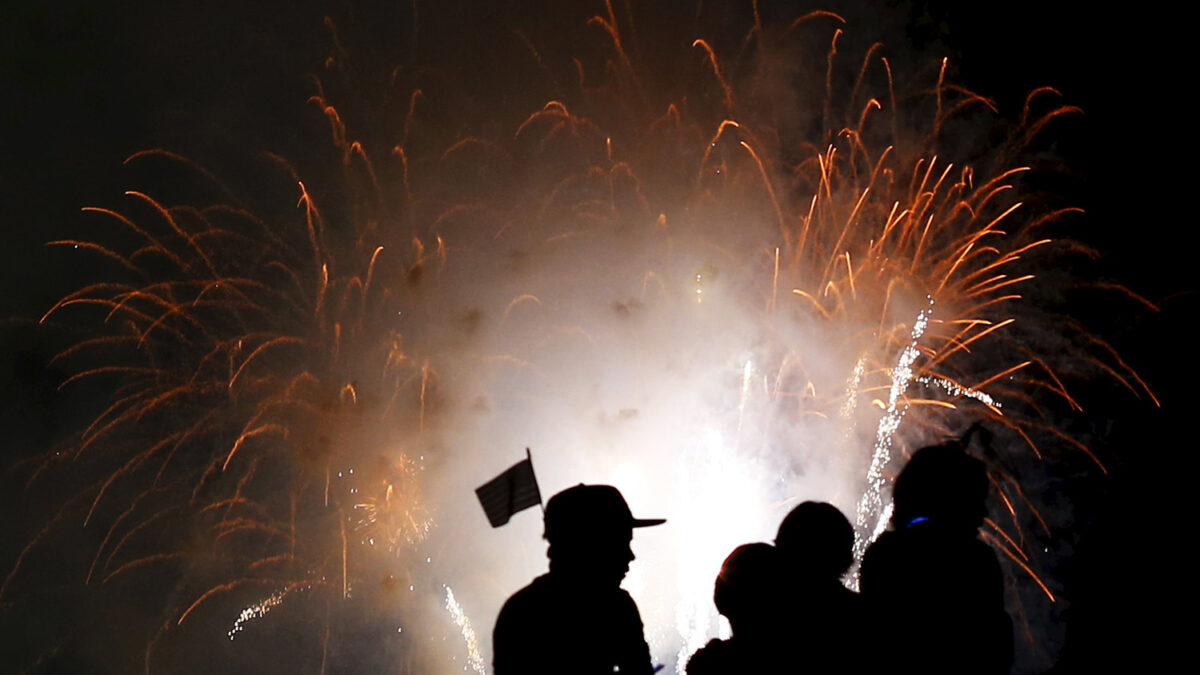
pixel 578 575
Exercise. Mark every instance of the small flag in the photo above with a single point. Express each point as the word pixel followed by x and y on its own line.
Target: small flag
pixel 510 492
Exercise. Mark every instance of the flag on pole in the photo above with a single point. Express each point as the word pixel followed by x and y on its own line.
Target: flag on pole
pixel 512 491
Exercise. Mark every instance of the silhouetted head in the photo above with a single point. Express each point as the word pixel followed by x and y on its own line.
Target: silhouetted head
pixel 590 528
pixel 816 541
pixel 943 484
pixel 747 588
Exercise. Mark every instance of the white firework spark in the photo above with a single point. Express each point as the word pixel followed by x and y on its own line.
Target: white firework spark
pixel 468 632
pixel 870 512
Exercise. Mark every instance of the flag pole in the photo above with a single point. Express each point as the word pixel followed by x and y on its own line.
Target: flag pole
pixel 529 456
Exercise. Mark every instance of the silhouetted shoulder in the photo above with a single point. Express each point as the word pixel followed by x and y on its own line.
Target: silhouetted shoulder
pixel 921 562
pixel 715 657
pixel 552 627
pixel 737 656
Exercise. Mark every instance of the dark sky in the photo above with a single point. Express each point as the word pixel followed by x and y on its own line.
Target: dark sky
pixel 87 84
pixel 84 84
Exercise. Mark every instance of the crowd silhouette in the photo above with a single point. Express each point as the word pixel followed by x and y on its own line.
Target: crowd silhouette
pixel 931 592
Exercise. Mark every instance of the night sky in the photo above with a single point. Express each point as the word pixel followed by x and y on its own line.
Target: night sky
pixel 86 84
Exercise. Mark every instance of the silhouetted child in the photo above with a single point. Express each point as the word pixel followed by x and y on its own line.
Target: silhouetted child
pixel 938 587
pixel 816 545
pixel 747 593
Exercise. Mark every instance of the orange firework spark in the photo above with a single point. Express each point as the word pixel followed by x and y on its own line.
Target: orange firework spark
pixel 230 359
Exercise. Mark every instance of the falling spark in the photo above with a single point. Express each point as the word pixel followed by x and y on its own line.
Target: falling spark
pixel 852 384
pixel 747 376
pixel 869 516
pixel 468 633
pixel 260 609
pixel 955 389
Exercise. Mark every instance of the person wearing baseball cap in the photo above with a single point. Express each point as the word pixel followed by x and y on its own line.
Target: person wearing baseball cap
pixel 576 618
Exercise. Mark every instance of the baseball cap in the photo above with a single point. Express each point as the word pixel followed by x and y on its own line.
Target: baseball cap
pixel 587 508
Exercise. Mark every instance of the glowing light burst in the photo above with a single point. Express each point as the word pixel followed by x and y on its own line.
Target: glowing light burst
pixel 387 518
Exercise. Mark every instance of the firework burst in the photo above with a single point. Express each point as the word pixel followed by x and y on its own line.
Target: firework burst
pixel 259 404
pixel 690 281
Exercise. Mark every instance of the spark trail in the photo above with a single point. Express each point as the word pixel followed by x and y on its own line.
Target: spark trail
pixel 461 620
pixel 872 514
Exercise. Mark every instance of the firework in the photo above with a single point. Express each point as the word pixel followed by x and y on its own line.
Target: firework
pixel 688 302
pixel 255 386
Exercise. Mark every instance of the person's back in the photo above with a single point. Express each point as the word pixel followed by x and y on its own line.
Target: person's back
pixel 824 618
pixel 557 625
pixel 943 595
pixel 938 587
pixel 576 618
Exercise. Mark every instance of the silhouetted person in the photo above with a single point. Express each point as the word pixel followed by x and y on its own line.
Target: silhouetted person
pixel 576 618
pixel 747 593
pixel 937 587
pixel 816 545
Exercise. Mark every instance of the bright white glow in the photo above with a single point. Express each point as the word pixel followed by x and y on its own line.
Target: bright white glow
pixel 717 494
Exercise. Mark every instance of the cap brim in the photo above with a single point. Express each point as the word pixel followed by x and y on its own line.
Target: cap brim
pixel 647 522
